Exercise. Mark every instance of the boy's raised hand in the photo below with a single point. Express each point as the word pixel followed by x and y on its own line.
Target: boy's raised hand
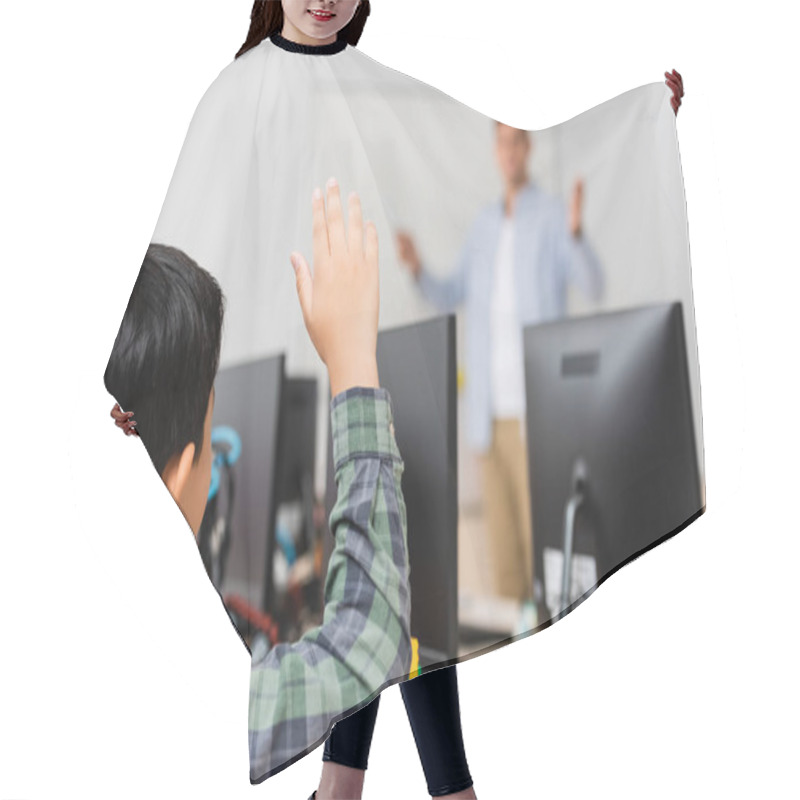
pixel 340 300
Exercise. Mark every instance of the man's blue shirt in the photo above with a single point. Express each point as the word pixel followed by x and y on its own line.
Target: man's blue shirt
pixel 547 259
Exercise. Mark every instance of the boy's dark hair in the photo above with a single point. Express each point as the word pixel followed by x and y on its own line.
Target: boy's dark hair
pixel 166 354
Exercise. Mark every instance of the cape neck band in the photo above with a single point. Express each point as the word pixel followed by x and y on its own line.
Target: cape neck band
pixel 309 49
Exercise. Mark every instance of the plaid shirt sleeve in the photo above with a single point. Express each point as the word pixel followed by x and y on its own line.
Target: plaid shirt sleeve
pixel 298 690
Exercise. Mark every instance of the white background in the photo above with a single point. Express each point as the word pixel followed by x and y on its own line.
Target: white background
pixel 120 675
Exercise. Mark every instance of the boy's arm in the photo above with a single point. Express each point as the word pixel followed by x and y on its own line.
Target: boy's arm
pixel 298 690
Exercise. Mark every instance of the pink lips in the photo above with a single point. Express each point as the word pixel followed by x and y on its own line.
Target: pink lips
pixel 323 16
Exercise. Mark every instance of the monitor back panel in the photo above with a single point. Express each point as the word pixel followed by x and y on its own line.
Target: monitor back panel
pixel 417 365
pixel 248 399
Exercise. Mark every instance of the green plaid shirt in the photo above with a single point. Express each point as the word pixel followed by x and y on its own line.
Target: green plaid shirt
pixel 298 690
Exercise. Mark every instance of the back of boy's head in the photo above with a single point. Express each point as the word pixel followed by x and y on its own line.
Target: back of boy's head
pixel 166 354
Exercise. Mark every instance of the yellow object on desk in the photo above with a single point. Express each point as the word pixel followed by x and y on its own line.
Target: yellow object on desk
pixel 415 668
pixel 461 378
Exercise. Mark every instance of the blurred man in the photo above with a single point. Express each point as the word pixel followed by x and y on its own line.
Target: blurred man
pixel 520 256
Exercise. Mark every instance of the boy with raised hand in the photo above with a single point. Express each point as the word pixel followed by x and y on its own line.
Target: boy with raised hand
pixel 296 689
pixel 364 640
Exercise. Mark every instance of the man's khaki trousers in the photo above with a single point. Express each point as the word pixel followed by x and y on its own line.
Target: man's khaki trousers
pixel 506 499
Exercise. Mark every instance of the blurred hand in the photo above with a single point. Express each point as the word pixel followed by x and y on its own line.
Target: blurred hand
pixel 575 208
pixel 340 300
pixel 675 82
pixel 122 419
pixel 407 252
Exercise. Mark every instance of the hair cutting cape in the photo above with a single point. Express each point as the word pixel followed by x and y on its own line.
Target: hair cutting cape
pixel 613 419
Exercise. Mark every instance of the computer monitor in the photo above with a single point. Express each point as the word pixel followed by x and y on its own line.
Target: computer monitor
pixel 297 449
pixel 417 364
pixel 248 400
pixel 613 464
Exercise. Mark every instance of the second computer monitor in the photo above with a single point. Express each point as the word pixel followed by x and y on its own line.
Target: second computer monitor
pixel 417 365
pixel 611 444
pixel 248 399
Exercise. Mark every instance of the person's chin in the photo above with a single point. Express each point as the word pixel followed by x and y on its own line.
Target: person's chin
pixel 315 34
pixel 319 30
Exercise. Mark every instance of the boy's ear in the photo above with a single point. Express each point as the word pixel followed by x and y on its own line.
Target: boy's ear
pixel 176 473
